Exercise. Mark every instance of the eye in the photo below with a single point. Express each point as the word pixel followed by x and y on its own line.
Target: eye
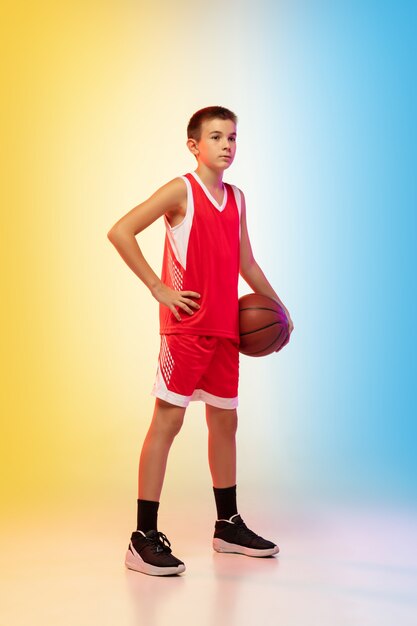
pixel 232 138
pixel 215 136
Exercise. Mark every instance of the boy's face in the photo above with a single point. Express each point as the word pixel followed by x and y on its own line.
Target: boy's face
pixel 217 145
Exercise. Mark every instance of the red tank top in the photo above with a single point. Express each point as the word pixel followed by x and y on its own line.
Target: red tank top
pixel 202 254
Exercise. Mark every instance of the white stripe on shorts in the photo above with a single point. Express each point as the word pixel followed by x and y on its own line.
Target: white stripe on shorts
pixel 161 391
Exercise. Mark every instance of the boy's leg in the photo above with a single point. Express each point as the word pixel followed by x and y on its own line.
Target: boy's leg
pixel 166 423
pixel 149 550
pixel 222 426
pixel 231 533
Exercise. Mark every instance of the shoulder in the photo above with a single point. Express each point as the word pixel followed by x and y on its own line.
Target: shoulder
pixel 236 189
pixel 174 192
pixel 177 192
pixel 240 196
pixel 176 188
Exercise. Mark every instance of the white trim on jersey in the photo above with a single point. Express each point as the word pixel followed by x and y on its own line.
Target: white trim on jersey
pixel 179 235
pixel 238 199
pixel 218 206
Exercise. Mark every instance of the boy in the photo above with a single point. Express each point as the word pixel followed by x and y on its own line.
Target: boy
pixel 206 247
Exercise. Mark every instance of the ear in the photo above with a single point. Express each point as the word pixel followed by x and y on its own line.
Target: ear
pixel 192 146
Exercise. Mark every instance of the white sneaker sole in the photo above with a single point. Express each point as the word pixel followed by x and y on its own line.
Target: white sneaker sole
pixel 224 546
pixel 139 565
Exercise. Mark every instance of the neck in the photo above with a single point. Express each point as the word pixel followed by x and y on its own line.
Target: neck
pixel 211 178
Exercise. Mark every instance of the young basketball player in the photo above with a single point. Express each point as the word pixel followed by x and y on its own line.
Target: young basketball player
pixel 206 247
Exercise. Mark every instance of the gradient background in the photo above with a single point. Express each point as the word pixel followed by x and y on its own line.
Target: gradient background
pixel 96 99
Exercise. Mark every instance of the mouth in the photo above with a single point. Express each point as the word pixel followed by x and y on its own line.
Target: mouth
pixel 225 156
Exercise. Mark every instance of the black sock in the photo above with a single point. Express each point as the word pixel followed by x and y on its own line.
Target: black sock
pixel 225 501
pixel 147 515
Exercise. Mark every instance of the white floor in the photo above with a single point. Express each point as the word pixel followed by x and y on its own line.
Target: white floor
pixel 336 567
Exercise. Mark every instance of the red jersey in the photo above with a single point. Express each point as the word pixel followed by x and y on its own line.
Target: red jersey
pixel 202 254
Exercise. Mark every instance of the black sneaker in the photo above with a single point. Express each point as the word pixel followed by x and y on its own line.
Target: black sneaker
pixel 233 535
pixel 150 553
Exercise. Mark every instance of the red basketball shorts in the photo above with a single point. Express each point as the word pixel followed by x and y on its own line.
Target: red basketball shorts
pixel 197 367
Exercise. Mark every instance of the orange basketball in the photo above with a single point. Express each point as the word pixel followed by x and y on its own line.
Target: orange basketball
pixel 263 325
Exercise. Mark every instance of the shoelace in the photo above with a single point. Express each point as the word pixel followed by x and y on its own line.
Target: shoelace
pixel 160 542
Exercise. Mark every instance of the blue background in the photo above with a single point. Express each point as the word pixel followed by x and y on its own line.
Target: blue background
pixel 341 247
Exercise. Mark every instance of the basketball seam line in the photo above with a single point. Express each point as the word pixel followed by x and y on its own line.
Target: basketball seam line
pixel 258 308
pixel 258 329
pixel 263 349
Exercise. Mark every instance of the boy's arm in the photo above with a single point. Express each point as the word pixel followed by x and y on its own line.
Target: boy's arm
pixel 166 200
pixel 249 268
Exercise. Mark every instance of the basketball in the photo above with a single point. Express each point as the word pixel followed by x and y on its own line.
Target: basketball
pixel 263 325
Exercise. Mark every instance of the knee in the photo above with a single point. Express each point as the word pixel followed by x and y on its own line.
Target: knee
pixel 174 425
pixel 224 423
pixel 229 426
pixel 168 419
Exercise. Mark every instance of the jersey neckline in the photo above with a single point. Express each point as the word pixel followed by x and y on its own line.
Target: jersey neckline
pixel 213 200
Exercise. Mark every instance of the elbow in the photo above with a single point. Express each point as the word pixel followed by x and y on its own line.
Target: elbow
pixel 247 268
pixel 113 234
pixel 119 232
pixel 111 238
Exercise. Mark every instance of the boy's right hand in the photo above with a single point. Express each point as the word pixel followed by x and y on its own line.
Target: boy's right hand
pixel 171 298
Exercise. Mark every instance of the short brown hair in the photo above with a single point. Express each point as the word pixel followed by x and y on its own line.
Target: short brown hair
pixel 208 113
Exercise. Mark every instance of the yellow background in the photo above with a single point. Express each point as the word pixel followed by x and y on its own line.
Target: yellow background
pixel 96 99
